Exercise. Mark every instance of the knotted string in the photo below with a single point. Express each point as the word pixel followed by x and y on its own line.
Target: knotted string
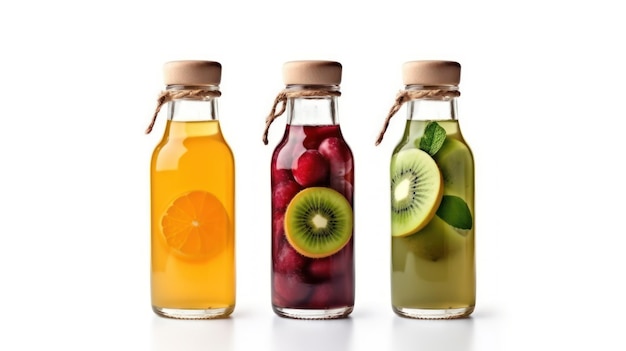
pixel 169 95
pixel 407 95
pixel 282 98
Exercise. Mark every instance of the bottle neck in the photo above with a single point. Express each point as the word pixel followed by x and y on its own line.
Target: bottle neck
pixel 193 108
pixel 313 110
pixel 432 109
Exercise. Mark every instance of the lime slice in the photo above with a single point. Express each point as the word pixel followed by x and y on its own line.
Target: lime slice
pixel 457 169
pixel 435 241
pixel 456 166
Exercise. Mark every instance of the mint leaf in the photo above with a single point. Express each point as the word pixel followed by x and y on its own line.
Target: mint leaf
pixel 434 136
pixel 454 211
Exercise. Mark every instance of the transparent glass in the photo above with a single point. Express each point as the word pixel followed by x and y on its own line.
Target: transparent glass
pixel 193 214
pixel 312 161
pixel 432 245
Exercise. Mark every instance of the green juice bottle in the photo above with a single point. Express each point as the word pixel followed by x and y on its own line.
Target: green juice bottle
pixel 433 273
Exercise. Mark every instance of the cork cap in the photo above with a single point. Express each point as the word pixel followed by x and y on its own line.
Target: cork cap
pixel 312 72
pixel 192 73
pixel 431 73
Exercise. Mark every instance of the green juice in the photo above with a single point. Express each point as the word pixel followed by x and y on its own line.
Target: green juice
pixel 433 265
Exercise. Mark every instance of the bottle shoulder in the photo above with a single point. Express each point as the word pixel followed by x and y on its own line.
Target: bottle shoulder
pixel 200 147
pixel 432 135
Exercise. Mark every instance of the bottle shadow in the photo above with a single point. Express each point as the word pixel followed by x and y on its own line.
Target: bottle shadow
pixel 313 335
pixel 436 335
pixel 190 335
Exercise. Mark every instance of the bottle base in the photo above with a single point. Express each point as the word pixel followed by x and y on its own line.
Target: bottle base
pixel 204 313
pixel 429 313
pixel 298 313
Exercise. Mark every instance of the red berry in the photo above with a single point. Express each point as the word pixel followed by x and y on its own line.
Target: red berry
pixel 331 267
pixel 344 264
pixel 278 233
pixel 289 260
pixel 289 290
pixel 280 175
pixel 339 159
pixel 338 155
pixel 278 223
pixel 323 297
pixel 338 292
pixel 343 187
pixel 321 269
pixel 344 291
pixel 283 193
pixel 311 168
pixel 315 134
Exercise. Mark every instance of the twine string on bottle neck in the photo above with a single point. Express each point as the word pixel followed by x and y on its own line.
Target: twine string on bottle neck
pixel 407 95
pixel 282 98
pixel 169 95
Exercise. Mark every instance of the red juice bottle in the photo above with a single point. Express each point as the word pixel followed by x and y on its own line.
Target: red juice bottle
pixel 312 178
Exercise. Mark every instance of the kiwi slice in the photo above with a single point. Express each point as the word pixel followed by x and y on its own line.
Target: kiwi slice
pixel 318 222
pixel 416 191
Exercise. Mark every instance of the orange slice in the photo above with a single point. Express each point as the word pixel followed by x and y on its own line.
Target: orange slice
pixel 195 225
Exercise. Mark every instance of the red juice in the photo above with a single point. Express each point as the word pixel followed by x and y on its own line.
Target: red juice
pixel 311 165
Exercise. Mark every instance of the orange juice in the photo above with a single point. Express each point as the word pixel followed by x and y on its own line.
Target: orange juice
pixel 192 177
pixel 193 171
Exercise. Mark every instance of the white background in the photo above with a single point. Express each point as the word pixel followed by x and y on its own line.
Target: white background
pixel 542 108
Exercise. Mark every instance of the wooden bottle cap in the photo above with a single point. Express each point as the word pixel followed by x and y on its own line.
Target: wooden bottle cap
pixel 312 72
pixel 431 73
pixel 192 73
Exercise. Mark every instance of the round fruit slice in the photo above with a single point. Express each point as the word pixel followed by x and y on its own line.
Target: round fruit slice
pixel 318 222
pixel 436 241
pixel 456 166
pixel 195 225
pixel 416 191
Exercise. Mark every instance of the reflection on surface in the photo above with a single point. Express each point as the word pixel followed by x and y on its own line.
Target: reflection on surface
pixel 436 335
pixel 314 335
pixel 190 335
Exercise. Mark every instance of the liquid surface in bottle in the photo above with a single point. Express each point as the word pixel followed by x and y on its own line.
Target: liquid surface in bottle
pixel 193 258
pixel 432 195
pixel 312 236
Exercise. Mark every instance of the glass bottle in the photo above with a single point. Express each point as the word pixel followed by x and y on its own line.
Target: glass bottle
pixel 432 199
pixel 192 200
pixel 312 178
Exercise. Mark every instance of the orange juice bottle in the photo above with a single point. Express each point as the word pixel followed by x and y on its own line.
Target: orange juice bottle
pixel 192 200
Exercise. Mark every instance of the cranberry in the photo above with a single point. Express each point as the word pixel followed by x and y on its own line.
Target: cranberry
pixel 338 155
pixel 289 260
pixel 283 193
pixel 315 135
pixel 280 175
pixel 310 169
pixel 289 290
pixel 323 296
